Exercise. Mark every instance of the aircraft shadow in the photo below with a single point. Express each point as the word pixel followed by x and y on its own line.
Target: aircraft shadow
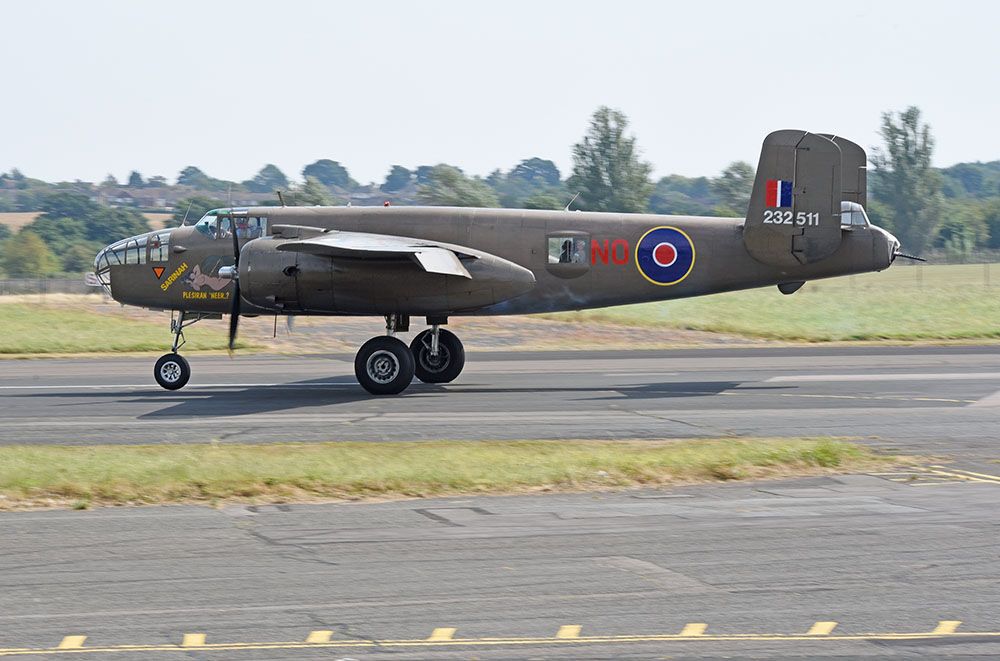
pixel 316 393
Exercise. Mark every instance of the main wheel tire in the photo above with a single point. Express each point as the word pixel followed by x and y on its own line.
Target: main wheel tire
pixel 384 366
pixel 172 371
pixel 443 368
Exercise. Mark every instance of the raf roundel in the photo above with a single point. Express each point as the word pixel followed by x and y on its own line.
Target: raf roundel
pixel 664 255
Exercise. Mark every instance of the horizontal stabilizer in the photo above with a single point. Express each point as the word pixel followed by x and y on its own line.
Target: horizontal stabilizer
pixel 432 257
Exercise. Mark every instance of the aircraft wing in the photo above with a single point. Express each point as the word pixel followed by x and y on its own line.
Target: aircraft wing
pixel 432 257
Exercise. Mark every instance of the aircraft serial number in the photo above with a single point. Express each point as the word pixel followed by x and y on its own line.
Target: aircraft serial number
pixel 802 218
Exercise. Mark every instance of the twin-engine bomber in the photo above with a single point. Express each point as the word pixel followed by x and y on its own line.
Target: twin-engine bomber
pixel 806 220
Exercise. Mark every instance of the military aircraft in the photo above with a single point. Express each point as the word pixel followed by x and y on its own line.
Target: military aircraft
pixel 806 220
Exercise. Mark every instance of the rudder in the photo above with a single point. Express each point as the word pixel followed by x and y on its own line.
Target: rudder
pixel 794 213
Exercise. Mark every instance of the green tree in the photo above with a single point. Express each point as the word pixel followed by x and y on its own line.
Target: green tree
pixel 4 232
pixel 904 180
pixel 329 173
pixel 607 172
pixel 536 170
pixel 991 217
pixel 449 187
pixel 422 174
pixel 79 257
pixel 198 205
pixel 530 178
pixel 135 180
pixel 25 255
pixel 964 228
pixel 268 180
pixel 734 186
pixel 397 179
pixel 312 193
pixel 690 196
pixel 194 177
pixel 544 201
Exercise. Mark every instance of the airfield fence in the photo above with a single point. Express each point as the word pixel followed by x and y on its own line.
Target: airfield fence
pixel 17 286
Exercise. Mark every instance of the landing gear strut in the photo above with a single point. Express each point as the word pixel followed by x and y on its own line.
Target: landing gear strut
pixel 172 371
pixel 386 366
pixel 438 354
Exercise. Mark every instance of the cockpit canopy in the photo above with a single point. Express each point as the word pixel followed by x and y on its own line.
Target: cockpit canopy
pixel 852 214
pixel 218 223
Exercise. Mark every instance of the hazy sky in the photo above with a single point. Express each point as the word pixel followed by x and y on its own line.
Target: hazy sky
pixel 96 87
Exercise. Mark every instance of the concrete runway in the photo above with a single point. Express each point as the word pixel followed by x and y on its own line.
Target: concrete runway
pixel 832 567
pixel 932 400
pixel 854 566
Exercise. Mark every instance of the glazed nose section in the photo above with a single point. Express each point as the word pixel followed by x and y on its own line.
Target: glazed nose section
pixel 102 267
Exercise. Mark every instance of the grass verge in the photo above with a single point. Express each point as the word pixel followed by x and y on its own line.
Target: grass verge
pixel 118 475
pixel 45 328
pixel 904 303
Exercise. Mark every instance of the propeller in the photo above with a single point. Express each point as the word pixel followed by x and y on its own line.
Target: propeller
pixel 234 313
pixel 905 256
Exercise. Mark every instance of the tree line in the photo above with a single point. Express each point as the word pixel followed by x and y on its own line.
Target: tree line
pixel 954 210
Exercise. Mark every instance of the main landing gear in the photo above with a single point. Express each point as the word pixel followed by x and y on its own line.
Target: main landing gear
pixel 386 366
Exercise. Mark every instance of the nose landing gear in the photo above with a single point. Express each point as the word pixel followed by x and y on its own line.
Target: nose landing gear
pixel 172 371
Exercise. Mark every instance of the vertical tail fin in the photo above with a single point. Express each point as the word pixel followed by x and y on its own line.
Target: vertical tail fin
pixel 794 214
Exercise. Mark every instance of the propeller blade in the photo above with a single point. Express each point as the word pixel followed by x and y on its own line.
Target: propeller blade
pixel 234 315
pixel 913 257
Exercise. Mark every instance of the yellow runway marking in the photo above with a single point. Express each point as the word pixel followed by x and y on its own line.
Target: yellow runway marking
pixel 693 632
pixel 569 631
pixel 694 629
pixel 960 475
pixel 985 476
pixel 193 640
pixel 947 626
pixel 822 628
pixel 72 642
pixel 442 634
pixel 319 636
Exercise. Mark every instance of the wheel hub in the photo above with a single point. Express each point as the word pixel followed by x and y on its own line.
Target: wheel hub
pixel 171 372
pixel 382 366
pixel 433 363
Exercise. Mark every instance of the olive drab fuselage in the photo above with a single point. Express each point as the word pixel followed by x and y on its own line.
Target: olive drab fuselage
pixel 528 261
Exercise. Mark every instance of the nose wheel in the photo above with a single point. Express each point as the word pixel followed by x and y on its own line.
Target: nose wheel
pixel 172 371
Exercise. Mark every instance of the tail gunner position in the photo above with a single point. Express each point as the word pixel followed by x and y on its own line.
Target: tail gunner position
pixel 806 221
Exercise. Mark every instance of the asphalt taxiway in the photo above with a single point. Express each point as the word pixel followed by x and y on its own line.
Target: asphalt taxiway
pixel 942 400
pixel 883 565
pixel 830 567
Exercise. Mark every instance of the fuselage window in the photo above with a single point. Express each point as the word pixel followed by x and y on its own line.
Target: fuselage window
pixel 567 250
pixel 251 228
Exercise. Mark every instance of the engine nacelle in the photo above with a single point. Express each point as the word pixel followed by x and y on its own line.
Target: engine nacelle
pixel 280 280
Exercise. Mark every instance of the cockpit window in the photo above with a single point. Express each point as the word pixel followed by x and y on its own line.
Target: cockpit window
pixel 852 214
pixel 247 227
pixel 207 224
